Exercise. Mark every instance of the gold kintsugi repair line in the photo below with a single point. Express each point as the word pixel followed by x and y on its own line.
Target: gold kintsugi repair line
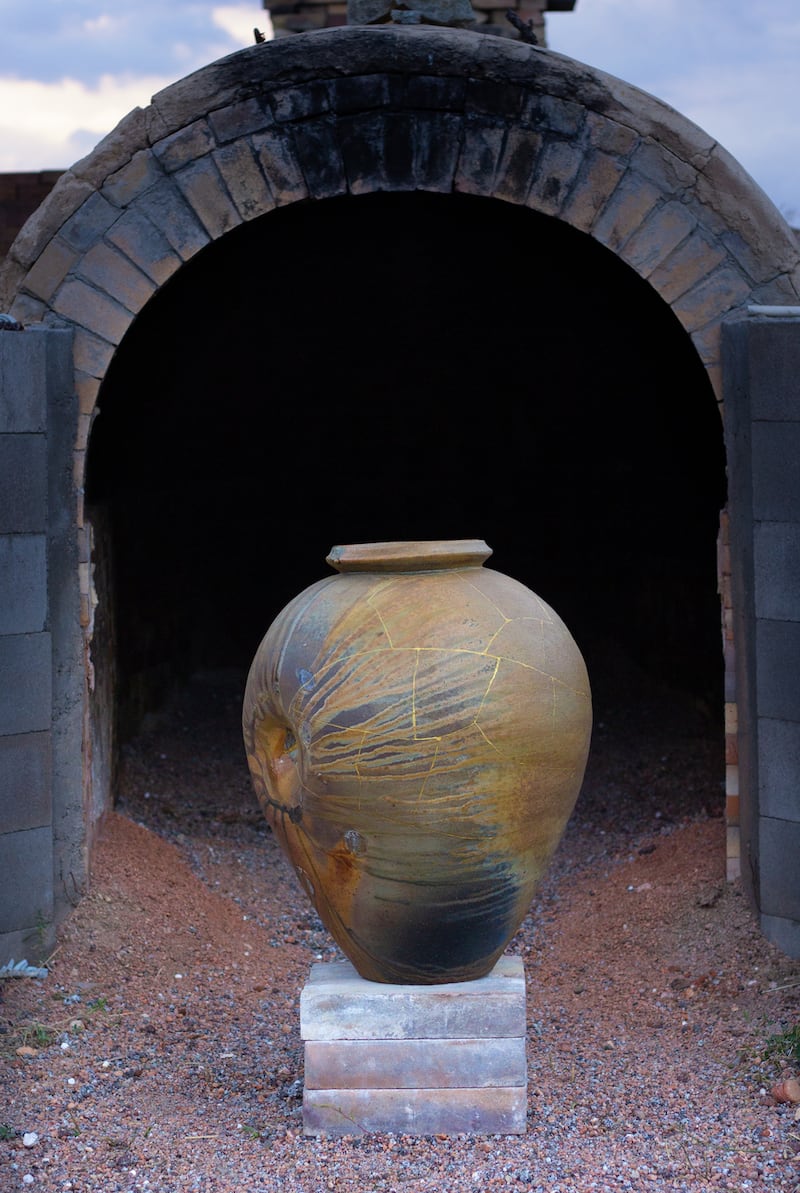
pixel 377 612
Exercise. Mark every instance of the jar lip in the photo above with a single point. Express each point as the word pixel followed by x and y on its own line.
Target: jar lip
pixel 424 556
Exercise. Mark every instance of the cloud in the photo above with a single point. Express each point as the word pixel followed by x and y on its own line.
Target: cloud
pixel 41 122
pixel 89 40
pixel 52 114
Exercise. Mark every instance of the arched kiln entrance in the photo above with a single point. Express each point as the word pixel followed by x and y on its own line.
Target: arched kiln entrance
pixel 246 248
pixel 418 366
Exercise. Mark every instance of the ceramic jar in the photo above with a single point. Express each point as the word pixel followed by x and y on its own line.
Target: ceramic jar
pixel 417 728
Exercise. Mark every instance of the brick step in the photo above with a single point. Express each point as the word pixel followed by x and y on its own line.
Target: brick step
pixel 414 1064
pixel 415 1111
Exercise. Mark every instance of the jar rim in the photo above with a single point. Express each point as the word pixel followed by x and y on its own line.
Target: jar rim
pixel 417 556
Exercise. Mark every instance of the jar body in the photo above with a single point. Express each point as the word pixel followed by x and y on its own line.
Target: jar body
pixel 417 732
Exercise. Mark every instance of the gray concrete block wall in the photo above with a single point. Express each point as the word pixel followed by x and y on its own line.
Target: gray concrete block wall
pixel 31 364
pixel 762 363
pixel 71 828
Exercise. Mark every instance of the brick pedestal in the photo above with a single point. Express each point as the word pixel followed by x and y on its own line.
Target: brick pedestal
pixel 416 1060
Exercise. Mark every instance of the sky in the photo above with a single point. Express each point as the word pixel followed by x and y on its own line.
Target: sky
pixel 71 69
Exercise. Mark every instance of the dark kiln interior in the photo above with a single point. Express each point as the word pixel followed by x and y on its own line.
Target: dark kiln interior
pixel 403 366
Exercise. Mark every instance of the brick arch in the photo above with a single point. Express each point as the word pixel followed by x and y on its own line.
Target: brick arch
pixel 361 109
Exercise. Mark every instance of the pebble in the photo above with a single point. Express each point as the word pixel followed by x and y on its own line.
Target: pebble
pixel 30 1139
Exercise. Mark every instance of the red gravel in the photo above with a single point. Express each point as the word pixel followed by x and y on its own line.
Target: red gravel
pixel 164 1046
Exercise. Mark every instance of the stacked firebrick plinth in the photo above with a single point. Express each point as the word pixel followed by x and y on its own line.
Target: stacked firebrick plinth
pixel 419 1060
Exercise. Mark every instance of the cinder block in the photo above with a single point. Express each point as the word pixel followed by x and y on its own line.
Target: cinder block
pixel 23 484
pixel 23 385
pixel 25 793
pixel 783 933
pixel 23 583
pixel 415 1111
pixel 415 1064
pixel 776 568
pixel 774 369
pixel 779 851
pixel 26 690
pixel 337 1004
pixel 26 878
pixel 778 651
pixel 779 769
pixel 775 450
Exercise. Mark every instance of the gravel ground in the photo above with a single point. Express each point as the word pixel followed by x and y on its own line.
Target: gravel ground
pixel 162 1052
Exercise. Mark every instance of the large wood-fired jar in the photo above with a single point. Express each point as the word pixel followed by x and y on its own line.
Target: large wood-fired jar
pixel 417 728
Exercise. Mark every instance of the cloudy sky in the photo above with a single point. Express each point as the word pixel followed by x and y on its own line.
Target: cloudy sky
pixel 71 69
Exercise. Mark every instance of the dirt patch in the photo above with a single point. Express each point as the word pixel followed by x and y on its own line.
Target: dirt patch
pixel 162 1052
